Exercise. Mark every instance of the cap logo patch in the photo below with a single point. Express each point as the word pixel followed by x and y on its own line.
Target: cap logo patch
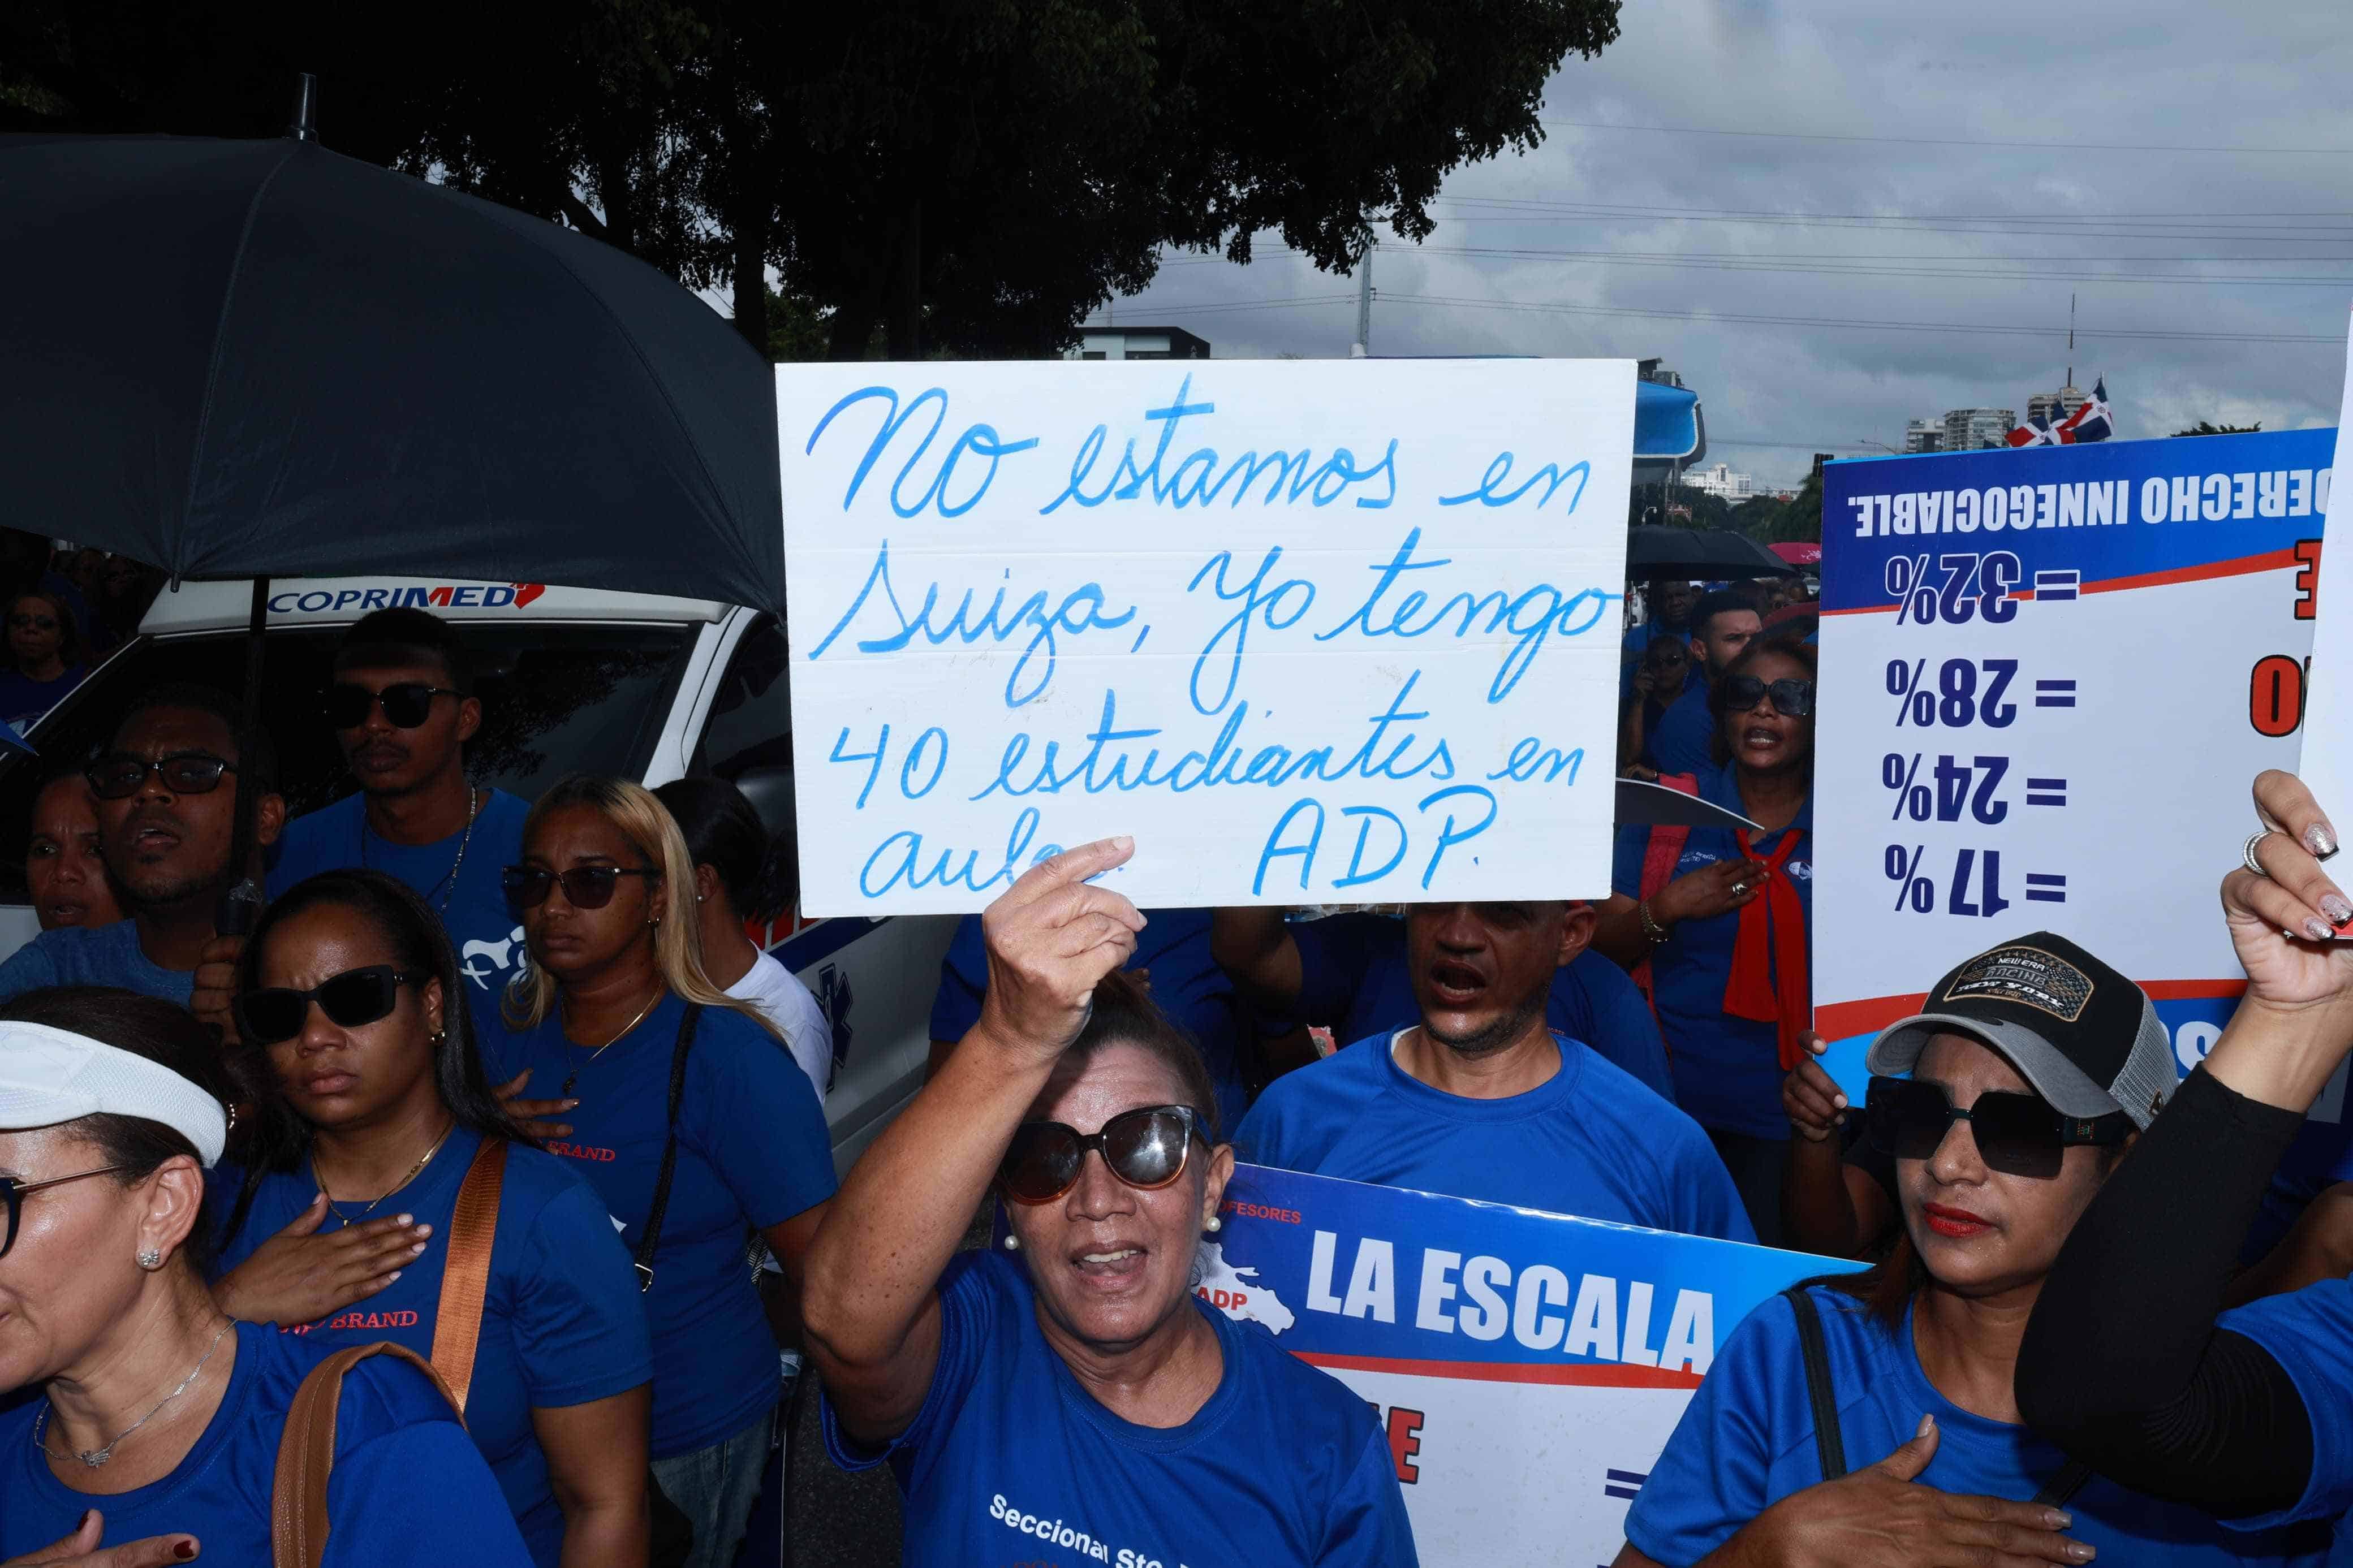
pixel 2027 977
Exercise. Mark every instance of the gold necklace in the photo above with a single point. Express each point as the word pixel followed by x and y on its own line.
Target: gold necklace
pixel 572 1076
pixel 421 1161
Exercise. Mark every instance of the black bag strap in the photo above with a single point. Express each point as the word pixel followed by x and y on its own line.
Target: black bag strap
pixel 651 1237
pixel 2063 1486
pixel 1830 1443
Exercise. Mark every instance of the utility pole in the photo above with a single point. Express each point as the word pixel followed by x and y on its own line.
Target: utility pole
pixel 2071 340
pixel 1364 345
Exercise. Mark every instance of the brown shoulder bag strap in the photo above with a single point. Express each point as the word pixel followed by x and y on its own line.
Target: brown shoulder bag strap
pixel 306 1454
pixel 466 1271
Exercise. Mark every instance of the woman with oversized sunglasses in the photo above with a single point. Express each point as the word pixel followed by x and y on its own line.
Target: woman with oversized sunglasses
pixel 372 1115
pixel 1716 923
pixel 2031 1068
pixel 685 1112
pixel 1070 1386
pixel 149 1423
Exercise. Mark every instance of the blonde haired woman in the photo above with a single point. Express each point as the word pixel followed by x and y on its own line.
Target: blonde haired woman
pixel 647 1067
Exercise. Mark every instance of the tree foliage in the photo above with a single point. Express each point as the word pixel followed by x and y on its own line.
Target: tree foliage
pixel 2207 427
pixel 977 175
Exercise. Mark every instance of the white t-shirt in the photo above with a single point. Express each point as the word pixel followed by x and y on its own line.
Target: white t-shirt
pixel 780 996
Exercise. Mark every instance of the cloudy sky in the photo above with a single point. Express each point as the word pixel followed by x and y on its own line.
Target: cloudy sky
pixel 2186 170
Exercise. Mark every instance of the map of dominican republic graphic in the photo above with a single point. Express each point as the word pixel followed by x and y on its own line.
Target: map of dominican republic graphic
pixel 1237 1291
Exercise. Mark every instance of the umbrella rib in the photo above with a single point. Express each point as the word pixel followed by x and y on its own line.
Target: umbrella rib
pixel 213 364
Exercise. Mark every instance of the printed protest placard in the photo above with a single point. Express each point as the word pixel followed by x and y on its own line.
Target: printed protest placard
pixel 1528 1368
pixel 2326 763
pixel 2048 677
pixel 1308 631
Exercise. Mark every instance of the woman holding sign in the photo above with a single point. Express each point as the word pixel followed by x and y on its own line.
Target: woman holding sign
pixel 1069 1387
pixel 2247 1413
pixel 1717 924
pixel 1871 1418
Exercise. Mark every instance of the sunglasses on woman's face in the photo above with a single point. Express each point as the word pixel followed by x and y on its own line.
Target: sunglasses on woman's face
pixel 354 997
pixel 12 1198
pixel 2017 1134
pixel 584 887
pixel 407 704
pixel 1146 1149
pixel 1792 698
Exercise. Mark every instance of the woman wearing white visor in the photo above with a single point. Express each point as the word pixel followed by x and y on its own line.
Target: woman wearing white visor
pixel 155 1434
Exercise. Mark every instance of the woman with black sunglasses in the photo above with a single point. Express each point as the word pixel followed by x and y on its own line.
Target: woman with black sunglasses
pixel 44 656
pixel 2031 1068
pixel 1070 1388
pixel 150 1424
pixel 1717 924
pixel 372 1113
pixel 600 1037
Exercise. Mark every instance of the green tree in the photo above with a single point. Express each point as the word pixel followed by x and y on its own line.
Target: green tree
pixel 973 175
pixel 2206 427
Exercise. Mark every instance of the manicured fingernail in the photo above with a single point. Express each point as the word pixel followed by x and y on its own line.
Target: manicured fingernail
pixel 1123 842
pixel 424 1230
pixel 2320 841
pixel 406 1218
pixel 2081 1550
pixel 2319 930
pixel 416 1249
pixel 2057 1520
pixel 569 1105
pixel 1927 1425
pixel 2334 906
pixel 185 1551
pixel 391 1277
pixel 1838 1101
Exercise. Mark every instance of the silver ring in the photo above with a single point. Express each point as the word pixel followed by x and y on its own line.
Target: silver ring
pixel 1738 888
pixel 2247 854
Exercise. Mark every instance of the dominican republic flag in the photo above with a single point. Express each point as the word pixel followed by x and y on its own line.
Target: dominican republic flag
pixel 2090 422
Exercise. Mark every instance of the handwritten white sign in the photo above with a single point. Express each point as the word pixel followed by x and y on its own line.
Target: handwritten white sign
pixel 1309 631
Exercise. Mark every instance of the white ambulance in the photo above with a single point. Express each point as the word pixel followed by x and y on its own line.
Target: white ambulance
pixel 571 680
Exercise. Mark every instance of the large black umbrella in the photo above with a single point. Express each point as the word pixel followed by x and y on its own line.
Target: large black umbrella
pixel 1653 550
pixel 248 359
pixel 238 358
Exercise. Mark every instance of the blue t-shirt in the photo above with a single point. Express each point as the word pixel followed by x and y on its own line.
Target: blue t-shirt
pixel 752 1151
pixel 482 929
pixel 24 699
pixel 2310 1333
pixel 80 955
pixel 1588 1140
pixel 1747 1441
pixel 563 1322
pixel 1354 978
pixel 407 1489
pixel 1683 738
pixel 1187 983
pixel 1728 1069
pixel 1010 1461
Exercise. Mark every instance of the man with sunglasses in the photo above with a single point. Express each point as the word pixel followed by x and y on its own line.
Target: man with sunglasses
pixel 1721 626
pixel 1480 1098
pixel 402 705
pixel 168 790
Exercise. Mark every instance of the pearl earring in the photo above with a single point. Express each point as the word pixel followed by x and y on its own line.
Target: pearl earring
pixel 150 1258
pixel 1012 1242
pixel 1215 1225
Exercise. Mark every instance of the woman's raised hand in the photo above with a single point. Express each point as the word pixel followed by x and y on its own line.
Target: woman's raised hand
pixel 1051 936
pixel 2295 895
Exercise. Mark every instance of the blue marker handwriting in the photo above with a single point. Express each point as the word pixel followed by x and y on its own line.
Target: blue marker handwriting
pixel 1202 478
pixel 1040 615
pixel 981 440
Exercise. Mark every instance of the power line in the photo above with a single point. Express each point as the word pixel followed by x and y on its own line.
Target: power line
pixel 1565 212
pixel 2046 145
pixel 1995 329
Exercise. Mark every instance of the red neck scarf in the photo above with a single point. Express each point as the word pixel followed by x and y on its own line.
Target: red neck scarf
pixel 1769 982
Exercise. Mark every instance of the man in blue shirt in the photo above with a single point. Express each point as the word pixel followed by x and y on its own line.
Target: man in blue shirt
pixel 1480 1098
pixel 1671 601
pixel 1350 974
pixel 167 788
pixel 402 708
pixel 1722 626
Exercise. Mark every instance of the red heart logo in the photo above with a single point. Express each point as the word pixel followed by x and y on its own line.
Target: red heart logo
pixel 526 592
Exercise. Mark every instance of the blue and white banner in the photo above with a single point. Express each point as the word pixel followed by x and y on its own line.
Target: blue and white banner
pixel 2048 677
pixel 1526 1367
